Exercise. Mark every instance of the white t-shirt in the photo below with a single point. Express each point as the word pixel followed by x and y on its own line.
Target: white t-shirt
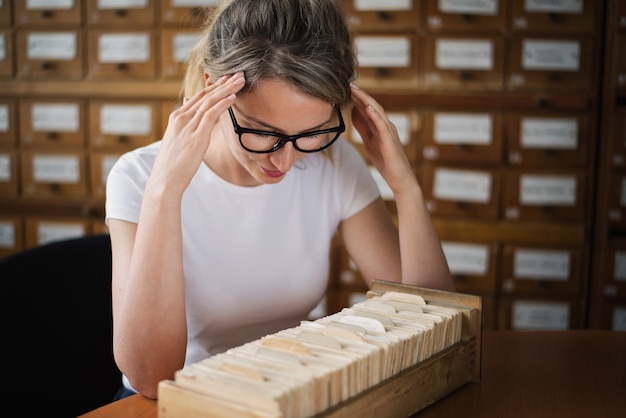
pixel 255 259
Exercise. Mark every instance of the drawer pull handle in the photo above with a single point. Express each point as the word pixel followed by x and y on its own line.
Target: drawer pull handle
pixel 47 14
pixel 123 139
pixel 465 75
pixel 382 72
pixel 384 16
pixel 52 136
pixel 460 205
pixel 122 66
pixel 120 13
pixel 467 17
pixel 47 66
pixel 54 187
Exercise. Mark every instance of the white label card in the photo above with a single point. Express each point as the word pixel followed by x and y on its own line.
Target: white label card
pixel 5 123
pixel 365 5
pixel 622 194
pixel 114 48
pixel 476 7
pixel 453 128
pixel 5 168
pixel 561 133
pixel 547 190
pixel 554 6
pixel 182 43
pixel 460 54
pixel 542 264
pixel 462 185
pixel 57 46
pixel 619 270
pixel 467 258
pixel 402 121
pixel 194 3
pixel 126 119
pixel 383 51
pixel 56 169
pixel 3 47
pixel 540 315
pixel 551 55
pixel 57 117
pixel 48 232
pixel 49 4
pixel 619 319
pixel 7 235
pixel 122 4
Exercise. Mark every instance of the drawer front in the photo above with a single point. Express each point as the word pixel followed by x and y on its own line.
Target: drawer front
pixel 548 139
pixel 109 13
pixel 473 265
pixel 11 235
pixel 189 13
pixel 6 13
pixel 383 16
pixel 121 54
pixel 556 17
pixel 123 125
pixel 617 138
pixel 175 47
pixel 100 164
pixel 462 137
pixel 49 54
pixel 51 124
pixel 50 14
pixel 539 313
pixel 54 174
pixel 482 16
pixel 9 173
pixel 613 275
pixel 43 230
pixel 616 200
pixel 619 58
pixel 6 54
pixel 8 123
pixel 462 62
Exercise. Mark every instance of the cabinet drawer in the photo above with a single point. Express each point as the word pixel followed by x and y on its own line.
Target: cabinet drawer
pixel 539 313
pixel 49 14
pixel 8 123
pixel 555 63
pixel 189 13
pixel 175 47
pixel 49 54
pixel 619 57
pixel 473 265
pixel 547 139
pixel 387 61
pixel 121 54
pixel 42 230
pixel 52 123
pixel 617 138
pixel 613 275
pixel 462 137
pixel 462 62
pixel 460 191
pixel 471 16
pixel 123 125
pixel 545 195
pixel 542 270
pixel 8 173
pixel 6 53
pixel 11 235
pixel 49 174
pixel 113 13
pixel 100 164
pixel 383 16
pixel 616 200
pixel 621 16
pixel 556 17
pixel 6 13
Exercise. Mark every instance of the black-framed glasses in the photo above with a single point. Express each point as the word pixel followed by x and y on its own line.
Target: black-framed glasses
pixel 263 142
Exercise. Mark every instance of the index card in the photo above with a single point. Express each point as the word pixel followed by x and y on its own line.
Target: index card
pixel 464 258
pixel 56 117
pixel 122 4
pixel 383 51
pixel 464 54
pixel 619 269
pixel 551 55
pixel 527 315
pixel 49 4
pixel 554 6
pixel 460 128
pixel 547 190
pixel 476 7
pixel 5 118
pixel 48 232
pixel 5 168
pixel 3 47
pixel 125 119
pixel 56 169
pixel 51 45
pixel 462 185
pixel 7 235
pixel 544 264
pixel 559 133
pixel 375 5
pixel 115 48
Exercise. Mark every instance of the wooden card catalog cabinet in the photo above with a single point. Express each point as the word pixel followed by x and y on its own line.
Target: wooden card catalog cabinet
pixel 555 63
pixel 6 53
pixel 6 12
pixel 129 54
pixel 545 195
pixel 466 15
pixel 616 201
pixel 406 121
pixel 100 164
pixel 387 61
pixel 462 137
pixel 8 125
pixel 52 123
pixel 123 125
pixel 450 62
pixel 48 12
pixel 43 230
pixel 178 13
pixel 8 173
pixel 383 16
pixel 461 192
pixel 538 314
pixel 565 16
pixel 619 76
pixel 11 235
pixel 175 47
pixel 473 265
pixel 542 270
pixel 121 13
pixel 617 138
pixel 49 54
pixel 547 139
pixel 54 174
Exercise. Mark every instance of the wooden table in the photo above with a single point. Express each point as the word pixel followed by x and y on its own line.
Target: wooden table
pixel 524 374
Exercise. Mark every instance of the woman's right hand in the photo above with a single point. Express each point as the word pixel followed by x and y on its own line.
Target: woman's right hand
pixel 188 133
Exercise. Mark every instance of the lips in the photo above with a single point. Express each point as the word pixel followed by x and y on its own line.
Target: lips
pixel 273 174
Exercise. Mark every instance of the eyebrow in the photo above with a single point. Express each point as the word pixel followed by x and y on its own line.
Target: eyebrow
pixel 268 126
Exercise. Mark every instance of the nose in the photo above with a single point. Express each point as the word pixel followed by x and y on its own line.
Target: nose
pixel 285 157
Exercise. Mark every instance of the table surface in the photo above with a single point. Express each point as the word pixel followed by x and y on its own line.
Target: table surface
pixel 576 373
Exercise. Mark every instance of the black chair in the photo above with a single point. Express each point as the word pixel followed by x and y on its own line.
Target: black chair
pixel 57 328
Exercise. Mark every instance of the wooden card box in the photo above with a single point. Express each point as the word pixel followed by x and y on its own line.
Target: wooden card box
pixel 6 57
pixel 127 17
pixel 403 394
pixel 383 17
pixel 562 17
pixel 54 53
pixel 175 15
pixel 48 16
pixel 475 17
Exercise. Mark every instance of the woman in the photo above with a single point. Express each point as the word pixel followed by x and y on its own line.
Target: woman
pixel 221 231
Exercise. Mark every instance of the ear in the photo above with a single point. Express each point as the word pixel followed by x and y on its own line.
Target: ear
pixel 207 80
